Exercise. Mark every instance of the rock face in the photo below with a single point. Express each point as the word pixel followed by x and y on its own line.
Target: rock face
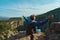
pixel 53 37
pixel 8 27
pixel 53 32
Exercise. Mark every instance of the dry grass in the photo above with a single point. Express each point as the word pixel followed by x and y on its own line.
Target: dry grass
pixel 36 35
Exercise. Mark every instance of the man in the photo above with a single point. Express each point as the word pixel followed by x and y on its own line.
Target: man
pixel 33 24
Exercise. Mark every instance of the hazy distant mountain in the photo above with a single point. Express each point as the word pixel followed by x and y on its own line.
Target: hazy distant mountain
pixel 4 18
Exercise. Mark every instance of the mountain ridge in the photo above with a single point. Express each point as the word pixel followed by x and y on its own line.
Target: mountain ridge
pixel 55 13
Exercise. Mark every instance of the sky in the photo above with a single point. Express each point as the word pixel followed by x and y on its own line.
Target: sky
pixel 19 8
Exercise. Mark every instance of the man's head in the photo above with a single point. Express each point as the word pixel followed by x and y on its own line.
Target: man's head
pixel 32 17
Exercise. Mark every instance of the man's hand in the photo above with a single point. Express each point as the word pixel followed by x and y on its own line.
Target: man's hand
pixel 50 17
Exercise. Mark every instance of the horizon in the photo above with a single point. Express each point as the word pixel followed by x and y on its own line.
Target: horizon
pixel 19 8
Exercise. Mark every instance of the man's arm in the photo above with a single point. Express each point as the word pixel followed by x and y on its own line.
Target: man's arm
pixel 44 21
pixel 26 19
pixel 40 23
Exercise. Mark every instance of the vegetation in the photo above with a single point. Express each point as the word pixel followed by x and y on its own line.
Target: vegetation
pixel 6 30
